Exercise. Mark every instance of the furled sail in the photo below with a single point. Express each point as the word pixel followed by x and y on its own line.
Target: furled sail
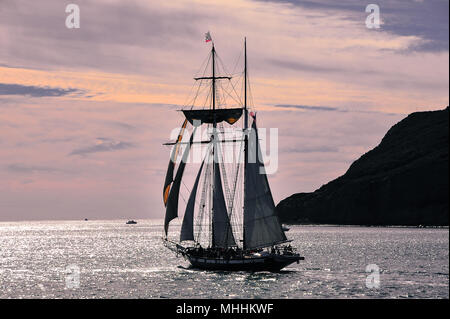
pixel 187 228
pixel 261 225
pixel 170 169
pixel 172 200
pixel 230 115
pixel 223 234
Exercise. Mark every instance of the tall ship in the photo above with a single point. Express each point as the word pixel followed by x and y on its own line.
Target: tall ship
pixel 229 222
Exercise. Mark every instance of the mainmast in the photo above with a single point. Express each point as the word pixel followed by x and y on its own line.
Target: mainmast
pixel 245 133
pixel 245 85
pixel 261 226
pixel 213 52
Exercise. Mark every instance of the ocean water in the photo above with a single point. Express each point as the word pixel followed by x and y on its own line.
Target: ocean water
pixel 108 259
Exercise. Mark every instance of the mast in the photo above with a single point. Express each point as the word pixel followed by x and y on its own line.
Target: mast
pixel 245 85
pixel 221 234
pixel 245 133
pixel 214 85
pixel 261 226
pixel 220 226
pixel 213 95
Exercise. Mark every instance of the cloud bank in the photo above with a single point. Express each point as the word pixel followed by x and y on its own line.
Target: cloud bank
pixel 34 91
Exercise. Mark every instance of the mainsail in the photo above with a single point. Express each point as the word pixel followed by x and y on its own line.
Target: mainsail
pixel 261 225
pixel 172 200
pixel 223 234
pixel 187 228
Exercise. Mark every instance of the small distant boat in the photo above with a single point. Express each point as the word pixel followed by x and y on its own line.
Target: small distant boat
pixel 131 222
pixel 285 228
pixel 86 219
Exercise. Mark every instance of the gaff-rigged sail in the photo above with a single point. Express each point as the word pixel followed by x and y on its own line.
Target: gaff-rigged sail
pixel 223 234
pixel 187 228
pixel 172 200
pixel 261 225
pixel 171 167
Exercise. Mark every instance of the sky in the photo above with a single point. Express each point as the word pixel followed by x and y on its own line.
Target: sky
pixel 84 111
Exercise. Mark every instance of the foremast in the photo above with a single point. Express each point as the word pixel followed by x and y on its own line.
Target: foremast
pixel 221 232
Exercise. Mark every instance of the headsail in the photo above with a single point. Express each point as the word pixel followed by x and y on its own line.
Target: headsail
pixel 261 225
pixel 170 168
pixel 187 228
pixel 172 201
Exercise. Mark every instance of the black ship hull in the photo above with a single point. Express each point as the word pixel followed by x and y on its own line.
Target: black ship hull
pixel 273 263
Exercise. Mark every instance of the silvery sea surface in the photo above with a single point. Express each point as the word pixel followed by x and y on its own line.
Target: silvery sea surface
pixel 109 259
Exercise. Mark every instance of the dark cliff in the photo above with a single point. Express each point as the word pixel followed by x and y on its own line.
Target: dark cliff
pixel 402 181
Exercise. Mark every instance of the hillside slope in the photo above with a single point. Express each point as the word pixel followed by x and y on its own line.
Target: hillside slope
pixel 402 181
